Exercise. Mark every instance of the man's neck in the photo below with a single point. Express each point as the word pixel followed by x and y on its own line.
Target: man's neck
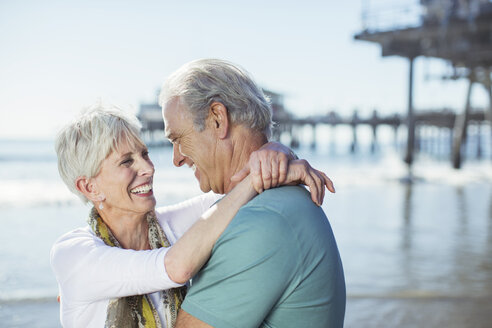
pixel 243 143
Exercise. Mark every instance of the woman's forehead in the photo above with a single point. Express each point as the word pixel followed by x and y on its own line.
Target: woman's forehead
pixel 125 144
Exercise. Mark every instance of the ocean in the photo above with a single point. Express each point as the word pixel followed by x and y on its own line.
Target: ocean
pixel 414 255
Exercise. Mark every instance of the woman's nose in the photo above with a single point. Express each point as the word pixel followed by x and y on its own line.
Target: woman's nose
pixel 147 167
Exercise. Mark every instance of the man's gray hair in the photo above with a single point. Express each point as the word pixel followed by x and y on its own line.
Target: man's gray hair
pixel 83 144
pixel 204 81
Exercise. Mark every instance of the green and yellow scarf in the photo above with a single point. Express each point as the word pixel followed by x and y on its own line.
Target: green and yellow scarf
pixel 138 311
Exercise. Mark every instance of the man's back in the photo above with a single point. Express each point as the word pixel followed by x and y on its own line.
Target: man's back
pixel 276 265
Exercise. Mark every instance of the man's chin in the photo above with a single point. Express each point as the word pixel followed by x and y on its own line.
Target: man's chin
pixel 204 187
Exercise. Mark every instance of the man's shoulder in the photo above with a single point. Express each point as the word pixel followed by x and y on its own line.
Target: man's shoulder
pixel 298 193
pixel 275 214
pixel 287 202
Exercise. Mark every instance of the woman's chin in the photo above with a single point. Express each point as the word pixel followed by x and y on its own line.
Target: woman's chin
pixel 145 200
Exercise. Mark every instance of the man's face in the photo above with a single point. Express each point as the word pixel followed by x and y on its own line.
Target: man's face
pixel 190 147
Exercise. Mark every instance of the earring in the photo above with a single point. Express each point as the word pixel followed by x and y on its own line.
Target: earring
pixel 101 198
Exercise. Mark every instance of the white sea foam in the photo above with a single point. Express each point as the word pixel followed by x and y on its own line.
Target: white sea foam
pixel 169 187
pixel 31 188
pixel 34 192
pixel 31 295
pixel 390 168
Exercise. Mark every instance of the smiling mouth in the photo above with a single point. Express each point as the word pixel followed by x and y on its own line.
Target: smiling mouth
pixel 142 189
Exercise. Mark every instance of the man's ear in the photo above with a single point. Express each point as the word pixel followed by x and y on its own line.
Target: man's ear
pixel 219 120
pixel 88 188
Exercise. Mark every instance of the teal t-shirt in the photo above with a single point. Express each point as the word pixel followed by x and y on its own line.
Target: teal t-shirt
pixel 276 265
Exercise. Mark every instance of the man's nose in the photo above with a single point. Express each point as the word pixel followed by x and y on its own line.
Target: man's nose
pixel 178 158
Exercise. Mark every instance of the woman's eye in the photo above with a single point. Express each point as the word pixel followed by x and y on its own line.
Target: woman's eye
pixel 145 154
pixel 127 161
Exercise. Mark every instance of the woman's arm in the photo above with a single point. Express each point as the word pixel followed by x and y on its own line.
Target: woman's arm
pixel 267 167
pixel 278 158
pixel 192 250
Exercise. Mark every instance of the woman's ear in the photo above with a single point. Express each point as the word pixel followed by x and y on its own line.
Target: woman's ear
pixel 89 189
pixel 219 119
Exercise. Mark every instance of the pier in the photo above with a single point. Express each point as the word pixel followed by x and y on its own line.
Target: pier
pixel 432 128
pixel 423 121
pixel 458 32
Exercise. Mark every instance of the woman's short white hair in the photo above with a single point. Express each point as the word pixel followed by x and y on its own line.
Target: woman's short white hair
pixel 83 144
pixel 204 81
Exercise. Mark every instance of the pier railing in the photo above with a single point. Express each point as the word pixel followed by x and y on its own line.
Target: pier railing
pixel 444 120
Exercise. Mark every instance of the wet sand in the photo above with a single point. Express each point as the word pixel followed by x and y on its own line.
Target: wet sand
pixel 419 312
pixel 35 314
pixel 361 312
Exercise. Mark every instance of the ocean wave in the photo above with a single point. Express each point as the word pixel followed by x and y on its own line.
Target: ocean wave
pixel 37 192
pixel 34 193
pixel 19 296
pixel 391 169
pixel 39 185
pixel 27 158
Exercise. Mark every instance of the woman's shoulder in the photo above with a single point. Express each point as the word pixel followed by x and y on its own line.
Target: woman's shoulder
pixel 78 238
pixel 73 235
pixel 197 204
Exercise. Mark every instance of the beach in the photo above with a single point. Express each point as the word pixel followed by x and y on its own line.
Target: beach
pixel 361 312
pixel 414 255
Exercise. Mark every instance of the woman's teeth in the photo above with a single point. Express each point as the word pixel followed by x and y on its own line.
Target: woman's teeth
pixel 142 189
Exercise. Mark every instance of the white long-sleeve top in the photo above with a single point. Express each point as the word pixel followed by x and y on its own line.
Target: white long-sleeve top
pixel 90 273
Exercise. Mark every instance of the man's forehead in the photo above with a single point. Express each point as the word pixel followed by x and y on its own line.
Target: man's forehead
pixel 175 114
pixel 175 109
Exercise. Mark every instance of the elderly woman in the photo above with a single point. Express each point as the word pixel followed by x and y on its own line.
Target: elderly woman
pixel 102 159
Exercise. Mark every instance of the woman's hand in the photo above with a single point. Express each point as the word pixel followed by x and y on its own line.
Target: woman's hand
pixel 269 167
pixel 301 172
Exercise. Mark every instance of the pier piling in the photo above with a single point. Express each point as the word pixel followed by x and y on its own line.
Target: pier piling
pixel 410 118
pixel 460 127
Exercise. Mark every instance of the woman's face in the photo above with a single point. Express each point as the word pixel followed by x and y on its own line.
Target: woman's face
pixel 125 180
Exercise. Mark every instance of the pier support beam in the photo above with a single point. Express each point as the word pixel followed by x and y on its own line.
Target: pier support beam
pixel 488 113
pixel 488 86
pixel 374 126
pixel 313 139
pixel 410 117
pixel 479 140
pixel 460 126
pixel 354 122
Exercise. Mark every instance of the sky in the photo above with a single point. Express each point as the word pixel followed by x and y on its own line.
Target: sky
pixel 58 57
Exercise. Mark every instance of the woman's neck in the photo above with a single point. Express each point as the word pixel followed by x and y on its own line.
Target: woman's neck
pixel 131 231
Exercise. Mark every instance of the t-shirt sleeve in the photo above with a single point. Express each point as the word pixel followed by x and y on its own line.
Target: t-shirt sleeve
pixel 248 272
pixel 177 219
pixel 88 270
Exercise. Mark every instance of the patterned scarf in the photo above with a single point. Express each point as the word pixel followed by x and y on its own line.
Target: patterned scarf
pixel 138 311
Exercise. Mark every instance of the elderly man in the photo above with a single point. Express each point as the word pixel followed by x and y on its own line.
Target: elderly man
pixel 277 264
